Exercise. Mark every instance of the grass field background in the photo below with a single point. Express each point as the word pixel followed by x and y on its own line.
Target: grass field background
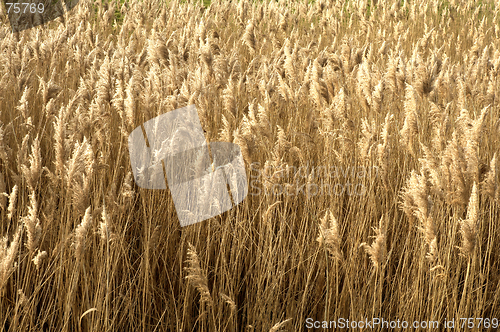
pixel 389 107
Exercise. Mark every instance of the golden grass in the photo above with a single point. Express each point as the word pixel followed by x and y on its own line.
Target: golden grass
pixel 370 134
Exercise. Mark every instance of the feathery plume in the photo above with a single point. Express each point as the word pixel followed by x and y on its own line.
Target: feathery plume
pixel 80 164
pixel 278 326
pixel 455 166
pixel 104 88
pixel 7 257
pixel 132 92
pixel 377 250
pixel 80 234
pixel 410 128
pixel 32 173
pixel 32 224
pixel 282 144
pixel 249 36
pixel 432 254
pixel 105 226
pixel 60 140
pixel 383 150
pixel 37 260
pixel 196 277
pixel 329 235
pixel 366 142
pixel 23 103
pixel 11 209
pixel 490 184
pixel 229 99
pixel 365 84
pixel 468 226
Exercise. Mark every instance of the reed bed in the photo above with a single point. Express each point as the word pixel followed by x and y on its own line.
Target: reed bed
pixel 370 133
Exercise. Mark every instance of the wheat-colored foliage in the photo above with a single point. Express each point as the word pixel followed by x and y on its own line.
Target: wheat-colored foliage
pixel 371 123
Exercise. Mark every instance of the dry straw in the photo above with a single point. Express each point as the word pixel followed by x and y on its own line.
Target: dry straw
pixel 409 88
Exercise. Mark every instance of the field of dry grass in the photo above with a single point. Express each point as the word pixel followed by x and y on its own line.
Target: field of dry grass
pixel 371 137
